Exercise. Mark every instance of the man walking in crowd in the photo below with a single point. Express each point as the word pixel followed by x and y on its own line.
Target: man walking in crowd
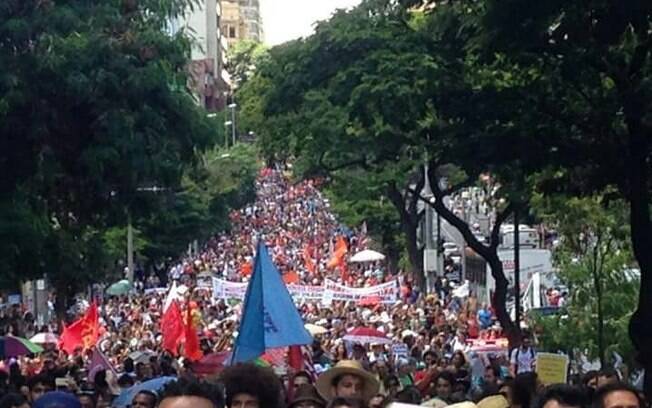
pixel 348 379
pixel 523 358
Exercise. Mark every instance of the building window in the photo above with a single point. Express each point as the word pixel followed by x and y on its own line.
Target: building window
pixel 231 32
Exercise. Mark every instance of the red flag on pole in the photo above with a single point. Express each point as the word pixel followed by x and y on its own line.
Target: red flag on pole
pixel 83 332
pixel 308 259
pixel 191 349
pixel 172 328
pixel 295 358
pixel 90 327
pixel 71 337
pixel 339 253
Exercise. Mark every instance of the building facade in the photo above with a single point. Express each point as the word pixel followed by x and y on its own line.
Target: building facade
pixel 241 20
pixel 208 78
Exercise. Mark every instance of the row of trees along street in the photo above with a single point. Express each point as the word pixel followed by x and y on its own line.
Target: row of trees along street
pixel 551 98
pixel 97 127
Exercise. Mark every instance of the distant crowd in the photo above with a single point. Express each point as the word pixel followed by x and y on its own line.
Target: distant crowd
pixel 434 350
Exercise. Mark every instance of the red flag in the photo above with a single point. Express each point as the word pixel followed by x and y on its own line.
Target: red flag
pixel 191 349
pixel 308 260
pixel 246 269
pixel 300 359
pixel 295 358
pixel 290 278
pixel 338 254
pixel 90 327
pixel 172 328
pixel 71 337
pixel 83 332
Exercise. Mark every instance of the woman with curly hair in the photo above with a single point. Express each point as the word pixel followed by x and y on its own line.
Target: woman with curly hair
pixel 250 386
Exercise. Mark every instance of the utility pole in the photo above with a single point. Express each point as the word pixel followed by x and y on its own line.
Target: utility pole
pixel 440 247
pixel 130 250
pixel 517 272
pixel 427 228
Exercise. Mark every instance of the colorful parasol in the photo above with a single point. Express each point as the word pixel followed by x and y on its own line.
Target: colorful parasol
pixel 119 288
pixel 11 346
pixel 367 335
pixel 45 338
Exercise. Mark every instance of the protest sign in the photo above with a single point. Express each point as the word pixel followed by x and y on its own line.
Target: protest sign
pixel 552 368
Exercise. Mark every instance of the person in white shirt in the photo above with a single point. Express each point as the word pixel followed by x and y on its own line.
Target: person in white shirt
pixel 523 358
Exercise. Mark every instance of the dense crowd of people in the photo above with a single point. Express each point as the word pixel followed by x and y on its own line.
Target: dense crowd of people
pixel 436 350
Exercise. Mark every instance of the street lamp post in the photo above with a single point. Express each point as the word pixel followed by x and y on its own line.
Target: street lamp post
pixel 226 137
pixel 232 106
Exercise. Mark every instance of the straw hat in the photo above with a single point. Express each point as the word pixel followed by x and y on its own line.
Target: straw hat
pixel 352 367
pixel 465 404
pixel 494 401
pixel 307 392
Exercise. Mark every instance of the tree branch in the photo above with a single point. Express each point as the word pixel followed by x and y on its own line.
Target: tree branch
pixel 361 161
pixel 412 207
pixel 500 218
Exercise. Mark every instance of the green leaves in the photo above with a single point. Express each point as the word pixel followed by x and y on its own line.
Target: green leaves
pixel 595 262
pixel 92 121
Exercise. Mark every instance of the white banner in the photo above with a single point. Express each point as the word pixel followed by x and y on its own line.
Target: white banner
pixel 384 293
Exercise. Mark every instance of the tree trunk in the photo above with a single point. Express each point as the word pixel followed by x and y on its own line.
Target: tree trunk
pixel 499 301
pixel 393 256
pixel 640 329
pixel 488 253
pixel 415 255
pixel 596 273
pixel 62 301
pixel 407 210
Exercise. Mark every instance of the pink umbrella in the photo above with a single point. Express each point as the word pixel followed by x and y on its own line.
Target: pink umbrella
pixel 366 335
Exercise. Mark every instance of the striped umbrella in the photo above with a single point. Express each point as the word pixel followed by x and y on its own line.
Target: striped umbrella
pixel 366 335
pixel 11 346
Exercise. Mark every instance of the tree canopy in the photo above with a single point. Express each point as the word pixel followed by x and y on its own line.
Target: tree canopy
pixel 547 98
pixel 98 127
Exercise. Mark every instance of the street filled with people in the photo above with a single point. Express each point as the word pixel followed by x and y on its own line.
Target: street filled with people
pixel 377 341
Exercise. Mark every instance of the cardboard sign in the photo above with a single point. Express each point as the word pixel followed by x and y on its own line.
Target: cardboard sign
pixel 552 368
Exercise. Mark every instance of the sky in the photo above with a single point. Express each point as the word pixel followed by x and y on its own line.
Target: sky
pixel 285 20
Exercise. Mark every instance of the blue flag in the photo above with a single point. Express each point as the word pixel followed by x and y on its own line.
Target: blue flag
pixel 269 317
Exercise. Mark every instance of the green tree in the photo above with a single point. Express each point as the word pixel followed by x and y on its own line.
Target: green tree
pixel 364 94
pixel 222 180
pixel 243 59
pixel 93 109
pixel 595 262
pixel 590 105
pixel 355 199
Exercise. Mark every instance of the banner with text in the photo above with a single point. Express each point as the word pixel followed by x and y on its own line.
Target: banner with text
pixel 384 293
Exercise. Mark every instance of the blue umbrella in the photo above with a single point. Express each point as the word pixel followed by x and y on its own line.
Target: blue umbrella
pixel 128 395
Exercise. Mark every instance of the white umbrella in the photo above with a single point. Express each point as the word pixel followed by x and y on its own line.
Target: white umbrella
pixel 45 338
pixel 367 255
